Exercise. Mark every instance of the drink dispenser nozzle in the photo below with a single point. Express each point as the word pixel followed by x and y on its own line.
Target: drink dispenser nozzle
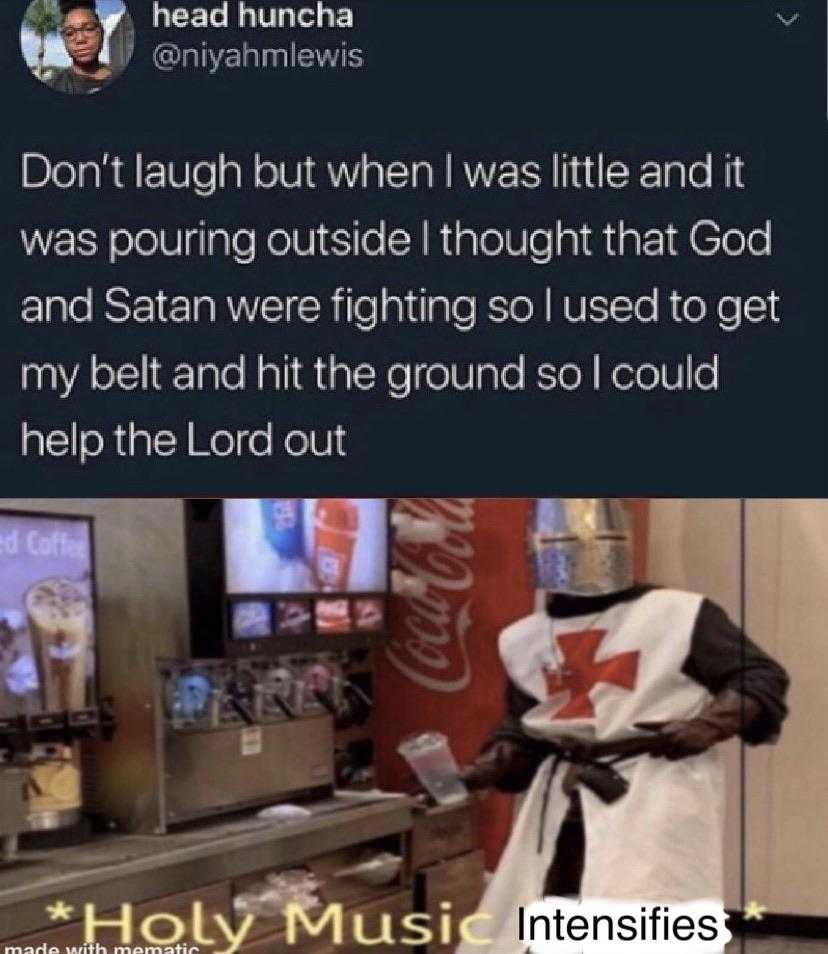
pixel 241 694
pixel 324 699
pixel 356 705
pixel 282 704
pixel 298 694
pixel 259 692
pixel 216 699
pixel 337 692
pixel 319 683
pixel 282 682
pixel 241 710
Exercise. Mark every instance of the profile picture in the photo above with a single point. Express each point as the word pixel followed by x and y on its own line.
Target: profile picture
pixel 77 47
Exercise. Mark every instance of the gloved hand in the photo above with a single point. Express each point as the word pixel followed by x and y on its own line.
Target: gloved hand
pixel 680 740
pixel 727 715
pixel 504 765
pixel 488 768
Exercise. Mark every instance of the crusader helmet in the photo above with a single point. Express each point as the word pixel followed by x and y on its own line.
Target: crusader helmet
pixel 581 546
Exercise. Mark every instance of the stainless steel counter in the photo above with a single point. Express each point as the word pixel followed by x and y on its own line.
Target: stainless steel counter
pixel 114 869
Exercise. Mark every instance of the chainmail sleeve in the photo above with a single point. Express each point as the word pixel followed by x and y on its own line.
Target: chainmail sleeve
pixel 723 657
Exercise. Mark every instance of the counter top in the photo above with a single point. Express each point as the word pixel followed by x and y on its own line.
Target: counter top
pixel 112 869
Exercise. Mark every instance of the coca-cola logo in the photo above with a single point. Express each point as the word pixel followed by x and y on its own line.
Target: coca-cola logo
pixel 429 641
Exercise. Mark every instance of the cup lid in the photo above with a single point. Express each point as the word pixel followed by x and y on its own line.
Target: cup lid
pixel 421 741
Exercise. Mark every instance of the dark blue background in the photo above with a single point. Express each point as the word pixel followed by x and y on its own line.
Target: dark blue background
pixel 512 79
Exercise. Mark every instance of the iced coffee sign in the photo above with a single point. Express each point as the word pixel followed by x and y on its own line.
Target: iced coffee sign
pixel 47 632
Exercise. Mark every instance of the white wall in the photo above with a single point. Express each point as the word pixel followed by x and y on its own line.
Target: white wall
pixel 787 612
pixel 695 544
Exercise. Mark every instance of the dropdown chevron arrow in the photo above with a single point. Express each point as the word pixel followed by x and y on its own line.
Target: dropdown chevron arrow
pixel 787 21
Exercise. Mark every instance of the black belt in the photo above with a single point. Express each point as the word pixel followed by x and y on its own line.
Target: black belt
pixel 592 766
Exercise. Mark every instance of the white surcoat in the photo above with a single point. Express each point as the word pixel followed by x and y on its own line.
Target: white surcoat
pixel 594 677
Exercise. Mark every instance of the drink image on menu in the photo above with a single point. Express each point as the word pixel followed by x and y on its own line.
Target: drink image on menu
pixel 283 520
pixel 294 617
pixel 369 614
pixel 60 628
pixel 333 616
pixel 335 533
pixel 252 619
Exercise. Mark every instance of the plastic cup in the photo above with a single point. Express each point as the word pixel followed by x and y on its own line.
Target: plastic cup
pixel 431 760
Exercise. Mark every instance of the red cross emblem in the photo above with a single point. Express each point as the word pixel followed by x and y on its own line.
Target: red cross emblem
pixel 580 672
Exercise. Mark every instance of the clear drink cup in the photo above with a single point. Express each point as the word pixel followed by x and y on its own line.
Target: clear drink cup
pixel 431 759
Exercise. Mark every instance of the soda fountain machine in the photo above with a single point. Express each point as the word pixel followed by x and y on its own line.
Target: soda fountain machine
pixel 287 597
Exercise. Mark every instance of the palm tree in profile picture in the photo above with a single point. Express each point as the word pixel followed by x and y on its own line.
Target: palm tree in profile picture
pixel 43 19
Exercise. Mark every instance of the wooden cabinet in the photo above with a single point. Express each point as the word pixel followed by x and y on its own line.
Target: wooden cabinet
pixel 176 908
pixel 448 864
pixel 444 831
pixel 360 923
pixel 457 881
pixel 277 945
pixel 61 937
pixel 334 889
pixel 392 909
pixel 441 852
pixel 214 900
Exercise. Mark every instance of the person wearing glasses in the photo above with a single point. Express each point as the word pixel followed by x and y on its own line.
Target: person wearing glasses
pixel 83 37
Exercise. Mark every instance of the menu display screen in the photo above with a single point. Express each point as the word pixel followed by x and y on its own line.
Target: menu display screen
pixel 47 619
pixel 306 545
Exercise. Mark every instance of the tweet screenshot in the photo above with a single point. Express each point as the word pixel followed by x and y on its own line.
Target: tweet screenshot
pixel 517 249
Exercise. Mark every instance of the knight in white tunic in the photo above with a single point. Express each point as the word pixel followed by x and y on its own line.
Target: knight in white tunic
pixel 617 696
